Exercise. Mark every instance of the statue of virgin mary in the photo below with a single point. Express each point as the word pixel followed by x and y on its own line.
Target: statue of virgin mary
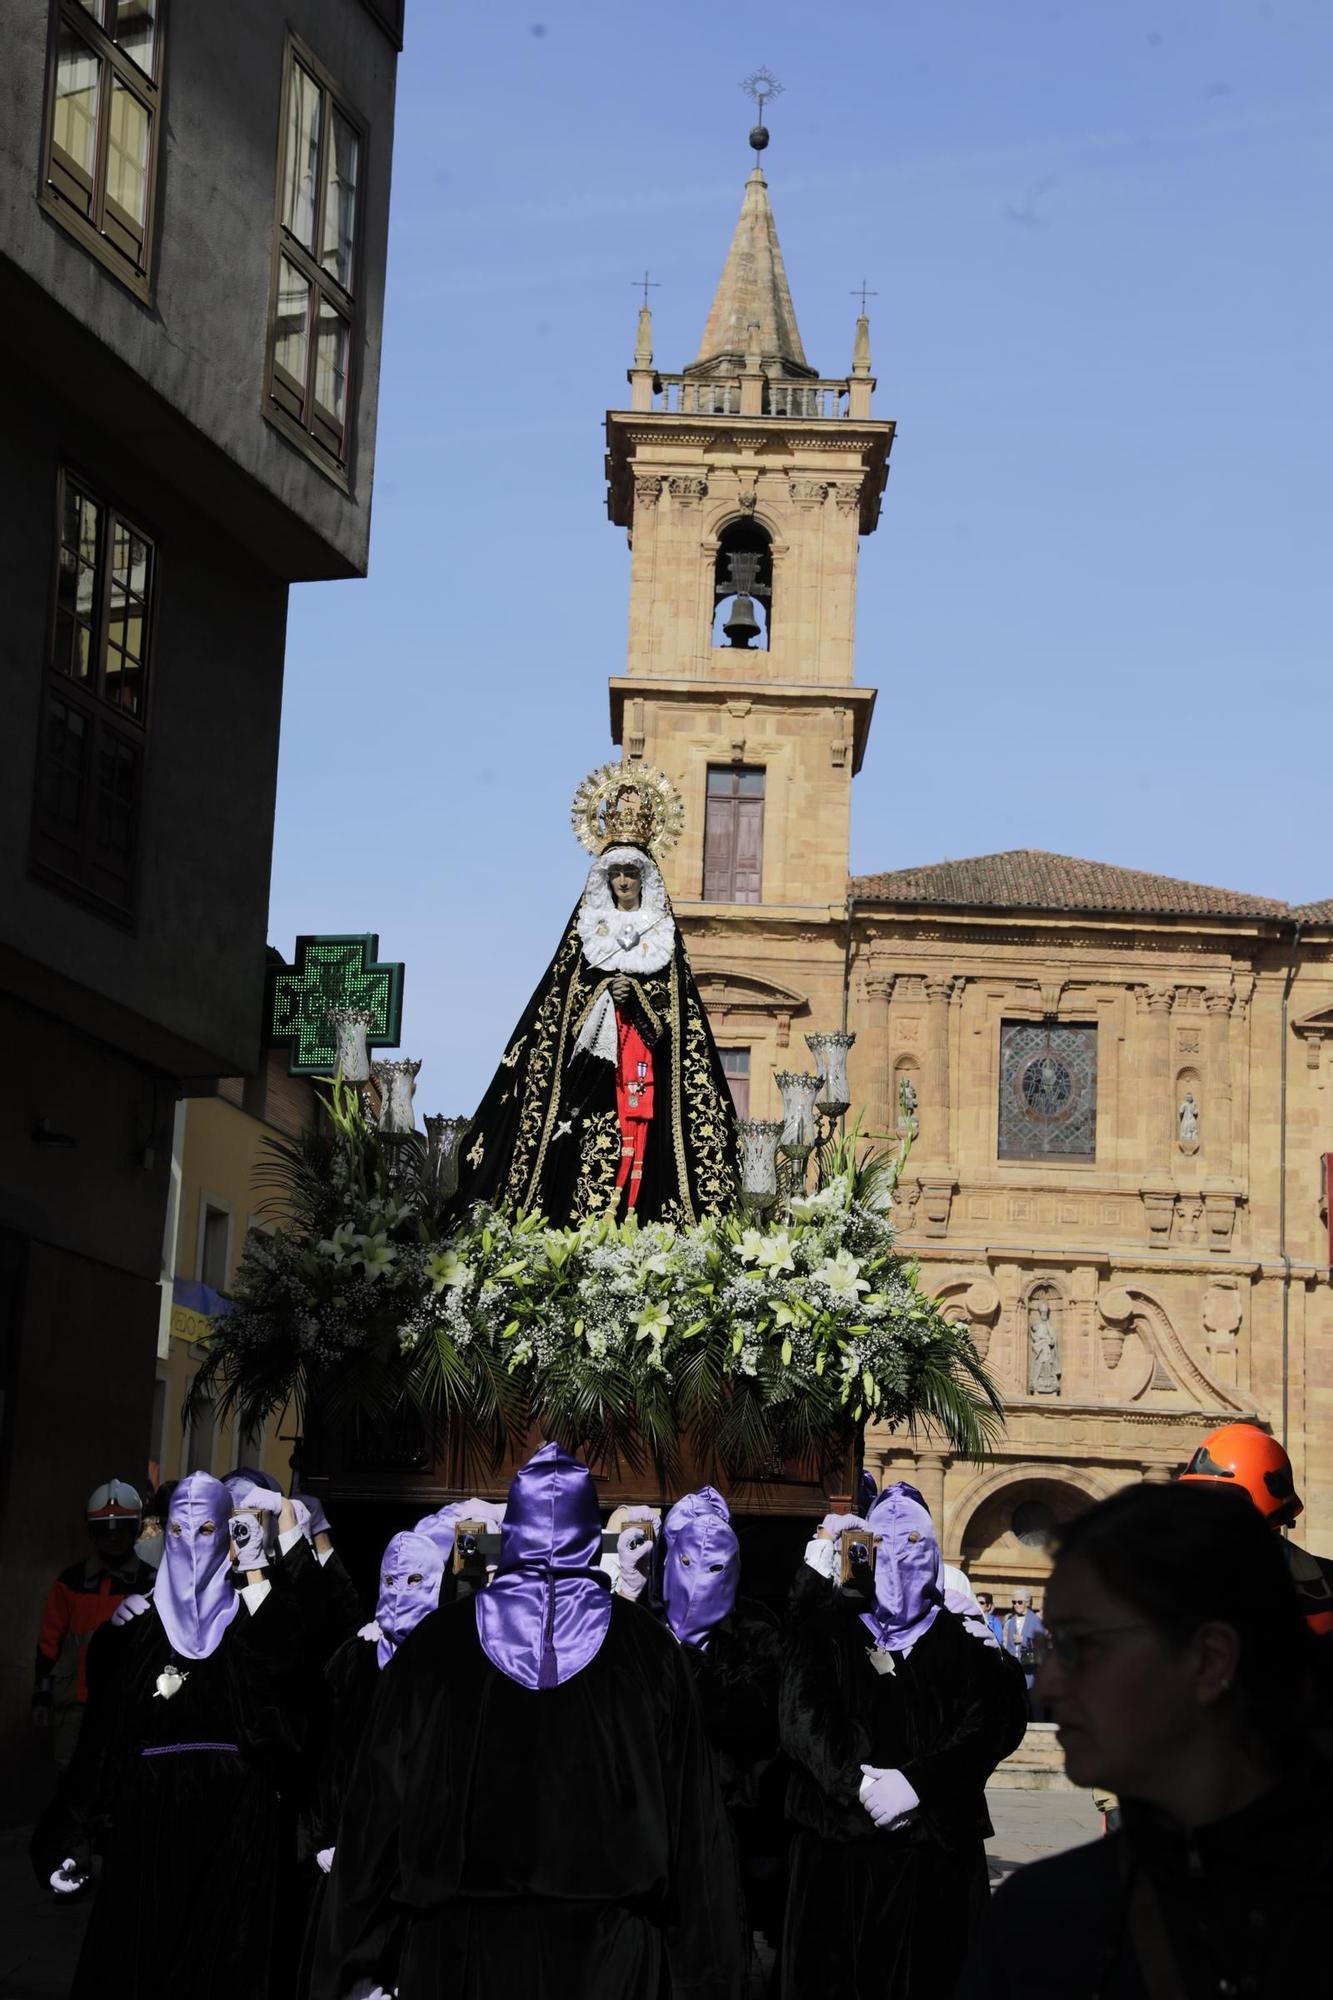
pixel 610 1097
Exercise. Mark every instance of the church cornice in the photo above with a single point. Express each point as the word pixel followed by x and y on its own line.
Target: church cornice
pixel 699 692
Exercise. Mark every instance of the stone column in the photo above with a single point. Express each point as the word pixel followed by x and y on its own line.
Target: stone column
pixel 1159 1149
pixel 931 1467
pixel 883 1111
pixel 1216 1107
pixel 935 1122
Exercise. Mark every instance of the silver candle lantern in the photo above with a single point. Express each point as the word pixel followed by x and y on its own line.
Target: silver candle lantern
pixel 444 1137
pixel 397 1081
pixel 830 1054
pixel 759 1161
pixel 351 1025
pixel 800 1130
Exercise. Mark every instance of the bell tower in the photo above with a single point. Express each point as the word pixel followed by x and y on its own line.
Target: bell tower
pixel 745 483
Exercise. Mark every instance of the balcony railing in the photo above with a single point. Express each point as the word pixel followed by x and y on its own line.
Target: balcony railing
pixel 718 396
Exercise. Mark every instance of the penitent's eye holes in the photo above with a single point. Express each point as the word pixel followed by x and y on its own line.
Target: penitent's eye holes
pixel 715 1567
pixel 684 1561
pixel 417 1578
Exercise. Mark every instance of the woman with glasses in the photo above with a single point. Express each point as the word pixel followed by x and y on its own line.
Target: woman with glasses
pixel 1181 1676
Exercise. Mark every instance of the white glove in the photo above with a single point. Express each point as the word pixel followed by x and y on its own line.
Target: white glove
pixel 369 1989
pixel 130 1607
pixel 69 1878
pixel 979 1629
pixel 248 1540
pixel 324 1859
pixel 822 1557
pixel 634 1551
pixel 887 1797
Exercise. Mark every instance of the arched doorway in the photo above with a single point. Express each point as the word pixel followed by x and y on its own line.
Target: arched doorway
pixel 1006 1540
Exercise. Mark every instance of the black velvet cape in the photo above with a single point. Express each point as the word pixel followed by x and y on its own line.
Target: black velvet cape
pixel 546 1135
pixel 198 1843
pixel 738 1678
pixel 562 1844
pixel 871 1912
pixel 1245 1900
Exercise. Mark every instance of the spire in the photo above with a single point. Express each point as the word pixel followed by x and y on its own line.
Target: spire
pixel 643 344
pixel 753 292
pixel 861 347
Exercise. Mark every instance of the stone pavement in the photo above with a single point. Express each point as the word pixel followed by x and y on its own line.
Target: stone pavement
pixel 40 1938
pixel 1031 1824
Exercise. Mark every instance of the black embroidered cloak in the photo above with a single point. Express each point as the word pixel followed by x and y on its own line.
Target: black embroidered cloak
pixel 546 1135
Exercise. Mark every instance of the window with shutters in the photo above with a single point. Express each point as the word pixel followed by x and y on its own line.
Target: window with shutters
pixel 734 834
pixel 103 120
pixel 94 700
pixel 736 1069
pixel 314 311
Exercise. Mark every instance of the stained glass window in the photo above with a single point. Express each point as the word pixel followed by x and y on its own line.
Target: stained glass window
pixel 1048 1091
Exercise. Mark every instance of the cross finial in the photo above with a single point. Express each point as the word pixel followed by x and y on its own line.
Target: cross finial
pixel 763 87
pixel 645 284
pixel 863 292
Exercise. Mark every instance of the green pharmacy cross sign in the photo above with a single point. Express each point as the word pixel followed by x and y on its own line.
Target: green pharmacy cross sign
pixel 331 972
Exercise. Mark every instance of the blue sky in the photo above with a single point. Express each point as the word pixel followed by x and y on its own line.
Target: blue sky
pixel 1099 603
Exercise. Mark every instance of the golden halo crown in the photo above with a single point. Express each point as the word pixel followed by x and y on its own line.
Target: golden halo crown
pixel 629 805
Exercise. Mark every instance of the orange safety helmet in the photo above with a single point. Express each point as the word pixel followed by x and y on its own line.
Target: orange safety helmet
pixel 1243 1455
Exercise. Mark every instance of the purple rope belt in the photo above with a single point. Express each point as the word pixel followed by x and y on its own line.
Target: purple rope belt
pixel 172 1749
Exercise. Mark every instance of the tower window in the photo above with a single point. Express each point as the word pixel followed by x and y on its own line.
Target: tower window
pixel 736 1069
pixel 743 587
pixel 734 834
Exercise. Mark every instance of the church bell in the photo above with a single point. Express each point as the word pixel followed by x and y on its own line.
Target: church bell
pixel 742 626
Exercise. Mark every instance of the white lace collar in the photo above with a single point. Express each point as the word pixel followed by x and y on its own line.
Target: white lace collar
pixel 629 941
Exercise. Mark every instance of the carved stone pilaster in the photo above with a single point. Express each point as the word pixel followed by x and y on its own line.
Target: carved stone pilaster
pixel 1220 1211
pixel 1158 1208
pixel 686 489
pixel 647 489
pixel 808 492
pixel 936 1204
pixel 847 498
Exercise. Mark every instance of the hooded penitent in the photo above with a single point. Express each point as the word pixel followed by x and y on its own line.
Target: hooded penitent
pixel 548 1606
pixel 908 1587
pixel 702 1571
pixel 409 1588
pixel 194 1596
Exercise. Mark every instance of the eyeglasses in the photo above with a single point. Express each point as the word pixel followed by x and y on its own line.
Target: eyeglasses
pixel 1071 1646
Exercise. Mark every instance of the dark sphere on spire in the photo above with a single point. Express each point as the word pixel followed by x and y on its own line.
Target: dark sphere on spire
pixel 759 138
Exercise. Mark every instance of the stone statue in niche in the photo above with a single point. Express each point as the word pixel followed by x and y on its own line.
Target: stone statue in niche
pixel 908 1102
pixel 1043 1353
pixel 1187 1119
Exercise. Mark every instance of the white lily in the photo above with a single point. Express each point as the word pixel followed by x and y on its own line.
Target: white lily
pixel 842 1275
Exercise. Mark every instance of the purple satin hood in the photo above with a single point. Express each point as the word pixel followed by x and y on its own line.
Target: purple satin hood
pixel 548 1606
pixel 707 1500
pixel 909 1585
pixel 702 1571
pixel 403 1605
pixel 194 1594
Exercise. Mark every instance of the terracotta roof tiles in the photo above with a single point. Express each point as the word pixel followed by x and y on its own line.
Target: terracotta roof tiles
pixel 1026 878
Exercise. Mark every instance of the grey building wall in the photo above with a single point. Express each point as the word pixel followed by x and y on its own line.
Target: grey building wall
pixel 181 986
pixel 198 351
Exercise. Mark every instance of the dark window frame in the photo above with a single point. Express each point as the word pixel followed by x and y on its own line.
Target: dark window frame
pixel 68 860
pixel 712 889
pixel 738 1076
pixel 59 172
pixel 290 406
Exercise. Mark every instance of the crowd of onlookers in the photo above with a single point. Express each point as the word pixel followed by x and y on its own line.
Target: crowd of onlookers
pixel 568 1757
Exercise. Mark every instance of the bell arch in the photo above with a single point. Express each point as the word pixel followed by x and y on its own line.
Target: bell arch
pixel 743 585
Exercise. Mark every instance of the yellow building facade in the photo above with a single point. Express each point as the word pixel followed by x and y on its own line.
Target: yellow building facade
pixel 1115 1081
pixel 218 1159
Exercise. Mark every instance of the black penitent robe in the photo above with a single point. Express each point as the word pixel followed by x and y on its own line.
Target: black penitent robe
pixel 547 1136
pixel 738 1678
pixel 351 1681
pixel 870 1911
pixel 198 1841
pixel 553 1843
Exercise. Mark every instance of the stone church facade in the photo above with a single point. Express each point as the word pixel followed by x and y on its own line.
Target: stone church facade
pixel 1115 1081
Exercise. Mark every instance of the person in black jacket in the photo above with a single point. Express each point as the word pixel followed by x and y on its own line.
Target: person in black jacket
pixel 894 1715
pixel 1183 1677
